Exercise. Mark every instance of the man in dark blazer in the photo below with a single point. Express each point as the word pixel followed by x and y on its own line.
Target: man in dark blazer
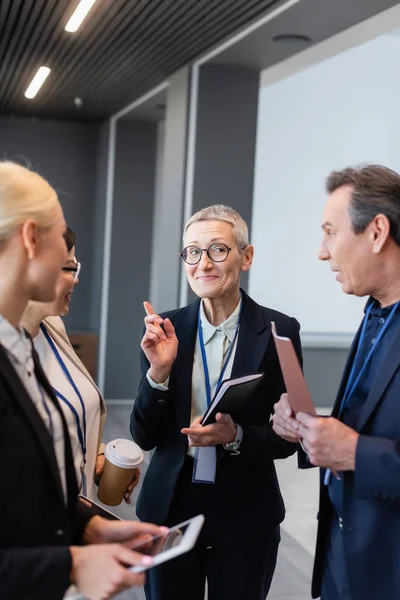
pixel 243 506
pixel 358 447
pixel 42 530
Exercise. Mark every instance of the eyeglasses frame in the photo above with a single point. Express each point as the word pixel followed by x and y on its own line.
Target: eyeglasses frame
pixel 207 251
pixel 74 270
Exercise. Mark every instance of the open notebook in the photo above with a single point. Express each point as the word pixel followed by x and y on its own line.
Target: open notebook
pixel 231 397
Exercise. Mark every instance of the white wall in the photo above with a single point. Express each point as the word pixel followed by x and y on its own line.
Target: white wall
pixel 341 112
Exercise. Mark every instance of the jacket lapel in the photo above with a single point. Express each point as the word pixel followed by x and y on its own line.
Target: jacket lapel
pixel 254 335
pixel 33 419
pixel 186 331
pixel 390 364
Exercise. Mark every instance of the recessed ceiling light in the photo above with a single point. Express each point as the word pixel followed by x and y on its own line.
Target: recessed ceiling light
pixel 291 38
pixel 37 82
pixel 79 14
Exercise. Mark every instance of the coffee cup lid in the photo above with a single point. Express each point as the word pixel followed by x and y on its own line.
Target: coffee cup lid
pixel 124 453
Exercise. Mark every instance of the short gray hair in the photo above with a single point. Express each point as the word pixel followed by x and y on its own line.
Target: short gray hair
pixel 220 212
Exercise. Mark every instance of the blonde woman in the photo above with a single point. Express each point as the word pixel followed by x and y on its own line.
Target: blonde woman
pixel 40 552
pixel 79 397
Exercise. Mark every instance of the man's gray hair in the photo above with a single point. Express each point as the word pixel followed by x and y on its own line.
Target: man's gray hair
pixel 220 212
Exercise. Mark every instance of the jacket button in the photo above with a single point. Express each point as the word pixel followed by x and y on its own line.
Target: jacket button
pixel 58 532
pixel 161 402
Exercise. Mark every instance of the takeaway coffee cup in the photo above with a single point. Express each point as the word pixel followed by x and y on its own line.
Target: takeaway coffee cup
pixel 122 458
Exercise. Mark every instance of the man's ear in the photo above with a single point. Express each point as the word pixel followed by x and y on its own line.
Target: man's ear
pixel 29 234
pixel 248 253
pixel 380 232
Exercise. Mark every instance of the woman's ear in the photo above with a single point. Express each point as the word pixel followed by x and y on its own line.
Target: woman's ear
pixel 29 233
pixel 248 254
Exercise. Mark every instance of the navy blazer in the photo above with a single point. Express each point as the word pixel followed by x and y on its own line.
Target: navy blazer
pixel 250 484
pixel 371 494
pixel 36 525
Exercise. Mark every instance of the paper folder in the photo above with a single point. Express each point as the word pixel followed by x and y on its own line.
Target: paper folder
pixel 299 395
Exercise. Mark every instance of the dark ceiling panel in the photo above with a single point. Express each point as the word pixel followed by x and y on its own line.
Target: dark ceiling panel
pixel 126 47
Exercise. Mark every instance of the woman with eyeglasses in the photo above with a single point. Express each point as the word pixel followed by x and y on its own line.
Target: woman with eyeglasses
pixel 48 539
pixel 224 470
pixel 82 403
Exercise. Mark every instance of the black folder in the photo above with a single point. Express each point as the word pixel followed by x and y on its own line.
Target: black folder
pixel 232 396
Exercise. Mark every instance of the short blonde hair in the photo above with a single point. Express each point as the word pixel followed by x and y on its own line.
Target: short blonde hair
pixel 221 212
pixel 24 195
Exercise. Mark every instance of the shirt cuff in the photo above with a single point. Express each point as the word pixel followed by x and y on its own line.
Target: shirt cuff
pixel 163 387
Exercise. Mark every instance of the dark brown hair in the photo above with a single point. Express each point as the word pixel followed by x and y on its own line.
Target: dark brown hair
pixel 69 237
pixel 375 190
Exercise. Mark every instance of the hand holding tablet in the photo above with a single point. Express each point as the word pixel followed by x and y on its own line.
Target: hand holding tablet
pixel 180 539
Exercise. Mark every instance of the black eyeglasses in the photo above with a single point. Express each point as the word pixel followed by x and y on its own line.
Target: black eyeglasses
pixel 74 270
pixel 216 252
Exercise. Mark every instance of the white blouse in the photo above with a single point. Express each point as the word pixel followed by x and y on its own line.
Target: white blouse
pixel 91 399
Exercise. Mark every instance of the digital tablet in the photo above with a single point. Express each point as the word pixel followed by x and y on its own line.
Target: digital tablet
pixel 179 539
pixel 98 509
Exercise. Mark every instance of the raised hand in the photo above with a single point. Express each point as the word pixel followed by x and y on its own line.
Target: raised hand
pixel 159 344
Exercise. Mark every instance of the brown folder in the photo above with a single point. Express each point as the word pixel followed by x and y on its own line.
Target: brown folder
pixel 299 395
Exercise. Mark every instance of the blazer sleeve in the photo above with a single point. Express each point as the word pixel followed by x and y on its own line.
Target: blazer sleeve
pixel 377 471
pixel 35 572
pixel 260 442
pixel 150 411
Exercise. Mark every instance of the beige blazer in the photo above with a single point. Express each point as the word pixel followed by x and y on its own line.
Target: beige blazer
pixel 56 329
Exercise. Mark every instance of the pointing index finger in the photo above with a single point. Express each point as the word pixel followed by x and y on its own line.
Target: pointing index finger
pixel 148 308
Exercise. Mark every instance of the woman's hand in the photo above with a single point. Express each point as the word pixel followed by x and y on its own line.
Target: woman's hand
pixel 135 480
pixel 131 486
pixel 100 460
pixel 159 344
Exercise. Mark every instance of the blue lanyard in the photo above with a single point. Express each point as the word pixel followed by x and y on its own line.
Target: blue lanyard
pixel 81 436
pixel 352 381
pixel 204 357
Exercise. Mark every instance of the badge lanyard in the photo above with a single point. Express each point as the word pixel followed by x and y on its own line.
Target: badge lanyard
pixel 204 357
pixel 353 381
pixel 81 434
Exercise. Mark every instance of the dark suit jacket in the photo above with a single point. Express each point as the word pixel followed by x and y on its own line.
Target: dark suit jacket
pixel 36 526
pixel 371 494
pixel 250 483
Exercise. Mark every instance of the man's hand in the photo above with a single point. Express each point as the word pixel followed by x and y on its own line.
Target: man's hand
pixel 99 572
pixel 128 533
pixel 221 432
pixel 159 345
pixel 283 420
pixel 328 442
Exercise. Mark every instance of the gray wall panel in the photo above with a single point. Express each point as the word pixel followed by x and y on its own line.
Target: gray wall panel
pixel 99 217
pixel 134 188
pixel 226 140
pixel 65 153
pixel 323 368
pixel 168 218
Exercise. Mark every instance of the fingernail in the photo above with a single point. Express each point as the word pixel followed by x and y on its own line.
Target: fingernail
pixel 147 560
pixel 164 529
pixel 288 412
